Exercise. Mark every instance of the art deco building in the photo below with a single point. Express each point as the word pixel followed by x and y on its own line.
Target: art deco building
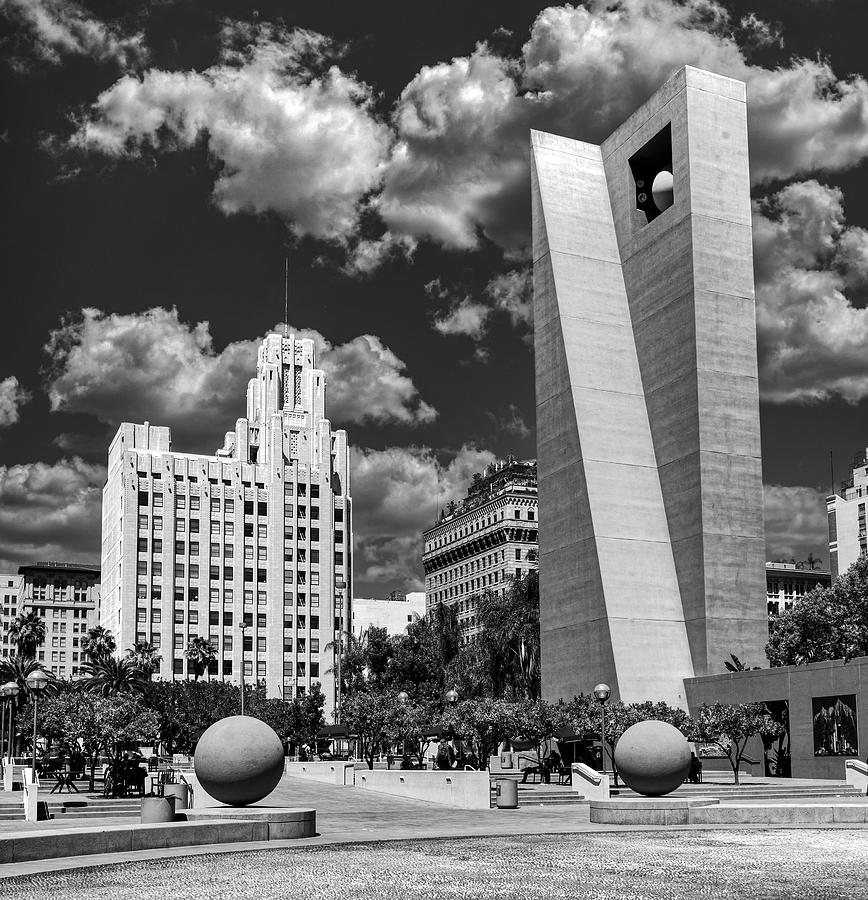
pixel 848 537
pixel 249 547
pixel 484 542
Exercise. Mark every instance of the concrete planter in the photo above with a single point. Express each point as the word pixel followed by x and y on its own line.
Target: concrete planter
pixel 158 809
pixel 180 793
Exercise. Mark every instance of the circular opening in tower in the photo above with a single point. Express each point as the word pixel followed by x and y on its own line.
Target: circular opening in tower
pixel 662 191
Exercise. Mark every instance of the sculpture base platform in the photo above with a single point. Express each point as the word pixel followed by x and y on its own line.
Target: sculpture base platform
pixel 647 811
pixel 283 822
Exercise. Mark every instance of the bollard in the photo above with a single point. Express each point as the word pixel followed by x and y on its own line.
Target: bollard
pixel 506 794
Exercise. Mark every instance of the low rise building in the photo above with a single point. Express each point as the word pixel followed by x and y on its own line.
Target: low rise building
pixel 393 615
pixel 483 542
pixel 66 596
pixel 787 582
pixel 848 536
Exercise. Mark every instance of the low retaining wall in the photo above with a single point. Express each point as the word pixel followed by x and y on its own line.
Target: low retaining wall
pixel 653 811
pixel 59 842
pixel 283 823
pixel 465 790
pixel 342 773
pixel 856 773
pixel 591 784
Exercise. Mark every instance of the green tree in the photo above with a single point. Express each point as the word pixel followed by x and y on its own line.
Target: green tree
pixel 485 722
pixel 731 726
pixel 107 675
pixel 415 664
pixel 27 631
pixel 537 721
pixel 99 643
pixel 99 725
pixel 200 654
pixel 145 657
pixel 415 726
pixel 828 623
pixel 375 718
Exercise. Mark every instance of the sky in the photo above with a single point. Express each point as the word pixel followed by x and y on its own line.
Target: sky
pixel 160 160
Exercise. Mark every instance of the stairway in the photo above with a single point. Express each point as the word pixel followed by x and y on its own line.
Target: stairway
pixel 544 795
pixel 773 792
pixel 92 806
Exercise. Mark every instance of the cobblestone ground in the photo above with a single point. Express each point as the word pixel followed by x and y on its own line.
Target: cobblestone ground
pixel 708 864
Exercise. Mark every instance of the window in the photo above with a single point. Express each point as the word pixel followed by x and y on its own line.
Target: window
pixel 215 527
pixel 262 508
pixel 178 642
pixel 215 506
pixel 314 670
pixel 214 574
pixel 177 666
pixel 158 545
pixel 262 531
pixel 156 616
pixel 158 499
pixel 228 573
pixel 248 667
pixel 248 552
pixel 227 641
pixel 248 507
pixel 179 547
pixel 260 670
pixel 229 506
pixel 261 576
pixel 194 617
pixel 143 498
pixel 143 544
pixel 530 515
pixel 247 643
pixel 300 670
pixel 180 502
pixel 194 548
pixel 260 645
pixel 194 526
pixel 180 526
pixel 260 620
pixel 314 623
pixel 179 616
pixel 229 529
pixel 227 619
pixel 194 504
pixel 157 568
pixel 261 598
pixel 213 617
pixel 179 570
pixel 314 645
pixel 517 553
pixel 158 523
pixel 143 521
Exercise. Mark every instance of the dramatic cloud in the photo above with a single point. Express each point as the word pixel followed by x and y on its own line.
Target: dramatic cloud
pixel 459 167
pixel 511 421
pixel 50 512
pixel 795 522
pixel 813 338
pixel 152 366
pixel 509 293
pixel 58 28
pixel 397 494
pixel 288 133
pixel 12 396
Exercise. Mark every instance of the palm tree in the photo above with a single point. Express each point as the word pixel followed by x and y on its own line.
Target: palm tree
pixel 17 668
pixel 201 653
pixel 108 675
pixel 145 656
pixel 99 643
pixel 28 632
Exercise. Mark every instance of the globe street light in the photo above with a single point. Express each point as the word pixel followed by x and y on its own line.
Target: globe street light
pixel 602 692
pixel 452 697
pixel 36 682
pixel 403 696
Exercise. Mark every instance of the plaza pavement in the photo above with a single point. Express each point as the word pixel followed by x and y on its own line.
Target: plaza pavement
pixel 346 815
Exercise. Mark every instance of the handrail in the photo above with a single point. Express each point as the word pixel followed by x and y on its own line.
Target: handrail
pixel 189 787
pixel 587 773
pixel 857 765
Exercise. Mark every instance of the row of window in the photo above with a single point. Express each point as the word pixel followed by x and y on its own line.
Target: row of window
pixel 479 524
pixel 474 584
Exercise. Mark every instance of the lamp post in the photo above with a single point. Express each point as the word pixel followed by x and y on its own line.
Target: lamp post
pixel 8 693
pixel 602 692
pixel 36 681
pixel 403 696
pixel 243 635
pixel 340 587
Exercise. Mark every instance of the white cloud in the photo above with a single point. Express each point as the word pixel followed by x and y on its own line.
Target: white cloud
pixel 466 317
pixel 153 366
pixel 459 167
pixel 397 494
pixel 795 522
pixel 511 421
pixel 813 340
pixel 287 138
pixel 512 293
pixel 12 397
pixel 50 512
pixel 58 28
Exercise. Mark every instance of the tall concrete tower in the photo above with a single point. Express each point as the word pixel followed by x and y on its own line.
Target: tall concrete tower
pixel 258 534
pixel 651 537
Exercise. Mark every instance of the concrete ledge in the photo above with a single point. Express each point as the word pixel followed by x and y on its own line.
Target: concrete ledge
pixel 650 811
pixel 279 823
pixel 465 790
pixel 342 773
pixel 783 814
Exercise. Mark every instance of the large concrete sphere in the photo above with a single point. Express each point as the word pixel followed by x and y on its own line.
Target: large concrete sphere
pixel 239 760
pixel 652 757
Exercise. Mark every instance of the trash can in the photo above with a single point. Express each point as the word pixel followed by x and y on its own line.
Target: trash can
pixel 158 809
pixel 506 794
pixel 181 794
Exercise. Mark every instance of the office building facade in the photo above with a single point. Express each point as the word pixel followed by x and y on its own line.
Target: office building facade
pixel 392 614
pixel 483 542
pixel 787 583
pixel 9 589
pixel 250 547
pixel 848 537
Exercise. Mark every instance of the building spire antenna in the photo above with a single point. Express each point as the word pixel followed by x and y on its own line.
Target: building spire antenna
pixel 286 296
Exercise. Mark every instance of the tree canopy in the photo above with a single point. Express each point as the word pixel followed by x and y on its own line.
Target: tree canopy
pixel 828 623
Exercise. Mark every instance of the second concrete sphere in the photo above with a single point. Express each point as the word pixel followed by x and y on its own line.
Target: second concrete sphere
pixel 652 757
pixel 239 760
